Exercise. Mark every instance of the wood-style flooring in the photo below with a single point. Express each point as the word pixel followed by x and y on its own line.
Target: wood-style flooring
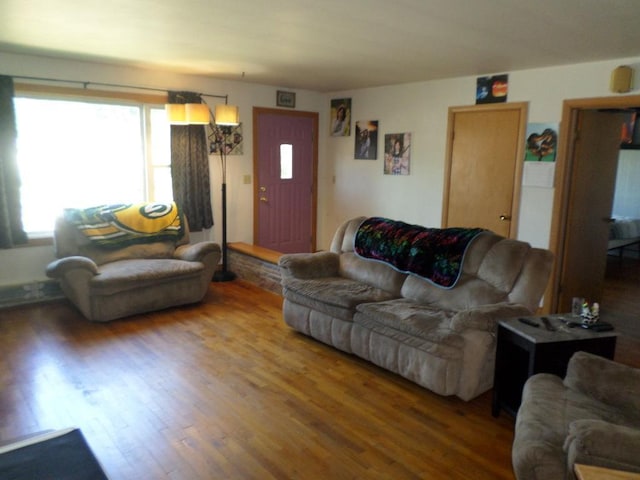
pixel 620 305
pixel 225 390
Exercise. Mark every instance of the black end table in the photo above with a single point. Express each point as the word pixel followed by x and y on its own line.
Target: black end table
pixel 523 350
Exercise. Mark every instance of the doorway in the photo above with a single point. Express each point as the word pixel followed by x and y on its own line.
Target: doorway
pixel 285 158
pixel 568 180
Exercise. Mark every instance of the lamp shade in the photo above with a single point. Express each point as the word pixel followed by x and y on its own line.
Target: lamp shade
pixel 227 115
pixel 197 113
pixel 176 114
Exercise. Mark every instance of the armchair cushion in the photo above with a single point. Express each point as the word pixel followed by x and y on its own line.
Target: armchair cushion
pixel 596 442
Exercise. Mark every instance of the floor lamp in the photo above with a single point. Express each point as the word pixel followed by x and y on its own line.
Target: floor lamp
pixel 225 115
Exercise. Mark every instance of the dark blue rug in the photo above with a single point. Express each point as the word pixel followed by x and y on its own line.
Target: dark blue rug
pixel 61 455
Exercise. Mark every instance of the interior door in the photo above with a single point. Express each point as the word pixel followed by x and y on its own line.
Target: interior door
pixel 285 171
pixel 484 167
pixel 593 176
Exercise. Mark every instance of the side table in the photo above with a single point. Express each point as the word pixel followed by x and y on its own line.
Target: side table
pixel 523 350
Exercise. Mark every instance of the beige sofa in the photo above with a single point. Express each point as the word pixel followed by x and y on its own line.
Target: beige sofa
pixel 442 339
pixel 591 417
pixel 105 284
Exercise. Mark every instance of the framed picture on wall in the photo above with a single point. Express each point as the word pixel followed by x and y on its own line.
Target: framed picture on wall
pixel 492 89
pixel 397 156
pixel 286 99
pixel 366 140
pixel 340 117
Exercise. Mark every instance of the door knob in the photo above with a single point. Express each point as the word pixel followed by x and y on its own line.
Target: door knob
pixel 263 189
pixel 505 218
pixel 263 199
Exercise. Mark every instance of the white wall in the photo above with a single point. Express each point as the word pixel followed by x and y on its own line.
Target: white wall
pixel 421 108
pixel 347 187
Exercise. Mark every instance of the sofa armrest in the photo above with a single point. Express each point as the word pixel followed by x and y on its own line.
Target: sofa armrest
pixel 485 317
pixel 195 252
pixel 59 268
pixel 309 265
pixel 604 380
pixel 604 444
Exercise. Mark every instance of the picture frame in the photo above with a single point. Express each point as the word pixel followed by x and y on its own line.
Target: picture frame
pixel 285 99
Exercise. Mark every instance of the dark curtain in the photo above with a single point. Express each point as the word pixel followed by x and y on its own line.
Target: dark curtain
pixel 11 230
pixel 190 168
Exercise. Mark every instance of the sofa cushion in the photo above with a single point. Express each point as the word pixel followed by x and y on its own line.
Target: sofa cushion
pixel 70 241
pixel 503 263
pixel 335 296
pixel 124 275
pixel 413 324
pixel 372 272
pixel 469 292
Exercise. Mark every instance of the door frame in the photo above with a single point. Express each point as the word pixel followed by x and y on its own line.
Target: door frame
pixel 523 107
pixel 563 179
pixel 314 189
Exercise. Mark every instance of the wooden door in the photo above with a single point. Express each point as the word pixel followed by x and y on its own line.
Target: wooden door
pixel 593 175
pixel 285 156
pixel 484 167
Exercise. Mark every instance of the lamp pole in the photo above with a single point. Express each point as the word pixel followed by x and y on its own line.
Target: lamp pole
pixel 223 275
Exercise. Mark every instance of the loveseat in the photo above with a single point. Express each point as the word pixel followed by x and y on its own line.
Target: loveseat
pixel 441 338
pixel 591 417
pixel 118 278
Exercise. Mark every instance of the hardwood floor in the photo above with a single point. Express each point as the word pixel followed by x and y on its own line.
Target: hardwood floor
pixel 225 390
pixel 621 306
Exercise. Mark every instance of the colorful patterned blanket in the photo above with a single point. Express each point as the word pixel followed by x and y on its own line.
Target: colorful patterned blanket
pixel 432 253
pixel 119 225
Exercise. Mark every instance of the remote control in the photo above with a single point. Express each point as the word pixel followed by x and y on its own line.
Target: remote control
pixel 529 322
pixel 547 324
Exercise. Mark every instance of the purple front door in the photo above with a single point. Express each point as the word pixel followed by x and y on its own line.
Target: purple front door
pixel 285 153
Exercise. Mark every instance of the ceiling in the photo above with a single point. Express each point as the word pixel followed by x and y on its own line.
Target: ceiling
pixel 325 45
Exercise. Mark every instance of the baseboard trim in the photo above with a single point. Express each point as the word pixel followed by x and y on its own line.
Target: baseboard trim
pixel 34 292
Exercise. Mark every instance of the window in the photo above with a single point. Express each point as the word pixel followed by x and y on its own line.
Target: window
pixel 286 161
pixel 81 153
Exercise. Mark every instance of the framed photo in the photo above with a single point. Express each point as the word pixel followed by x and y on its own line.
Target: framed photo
pixel 397 156
pixel 340 125
pixel 286 99
pixel 366 140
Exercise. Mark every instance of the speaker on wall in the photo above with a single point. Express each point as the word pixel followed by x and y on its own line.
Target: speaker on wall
pixel 621 79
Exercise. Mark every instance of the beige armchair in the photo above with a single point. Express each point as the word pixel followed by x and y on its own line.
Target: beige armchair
pixel 591 417
pixel 106 284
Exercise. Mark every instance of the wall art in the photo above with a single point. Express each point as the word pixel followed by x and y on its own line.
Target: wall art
pixel 340 117
pixel 397 154
pixel 366 140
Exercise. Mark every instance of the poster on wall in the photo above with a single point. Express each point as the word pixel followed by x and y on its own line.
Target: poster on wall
pixel 340 117
pixel 540 155
pixel 366 140
pixel 397 156
pixel 228 135
pixel 492 89
pixel 542 142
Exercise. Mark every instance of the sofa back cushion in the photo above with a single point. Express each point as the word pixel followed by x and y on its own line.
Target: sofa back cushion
pixel 69 241
pixel 495 270
pixel 377 274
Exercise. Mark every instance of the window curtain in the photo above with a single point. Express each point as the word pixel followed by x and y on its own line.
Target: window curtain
pixel 11 229
pixel 190 168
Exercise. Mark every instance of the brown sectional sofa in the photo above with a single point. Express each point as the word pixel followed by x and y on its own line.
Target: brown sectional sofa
pixel 442 339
